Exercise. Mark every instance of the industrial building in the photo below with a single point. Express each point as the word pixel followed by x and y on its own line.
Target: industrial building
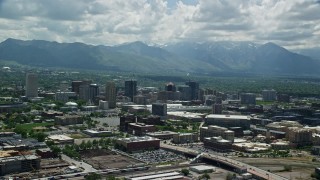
pixel 135 144
pixel 228 120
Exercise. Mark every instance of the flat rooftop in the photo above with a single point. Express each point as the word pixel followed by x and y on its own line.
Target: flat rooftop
pixel 141 125
pixel 159 133
pixel 18 158
pixel 174 175
pixel 138 139
pixel 60 137
pixel 202 167
pixel 222 116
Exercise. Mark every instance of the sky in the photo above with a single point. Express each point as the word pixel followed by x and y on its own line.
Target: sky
pixel 290 23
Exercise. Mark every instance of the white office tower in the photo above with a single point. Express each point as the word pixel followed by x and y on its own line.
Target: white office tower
pixel 31 85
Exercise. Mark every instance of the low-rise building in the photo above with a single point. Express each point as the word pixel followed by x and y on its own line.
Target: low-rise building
pixel 136 144
pixel 202 169
pixel 95 133
pixel 195 117
pixel 251 147
pixel 14 162
pixel 162 134
pixel 217 144
pixel 228 120
pixel 68 120
pixel 61 139
pixel 281 145
pixel 140 129
pixel 215 131
pixel 45 153
pixel 181 138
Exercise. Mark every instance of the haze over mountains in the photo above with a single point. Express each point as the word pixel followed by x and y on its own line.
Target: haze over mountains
pixel 206 57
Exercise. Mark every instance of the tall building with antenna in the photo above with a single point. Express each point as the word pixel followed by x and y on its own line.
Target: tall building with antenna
pixel 31 85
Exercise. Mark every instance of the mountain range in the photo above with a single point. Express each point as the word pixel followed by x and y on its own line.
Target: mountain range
pixel 182 57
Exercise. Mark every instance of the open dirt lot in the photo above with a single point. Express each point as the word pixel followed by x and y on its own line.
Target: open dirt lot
pixel 301 168
pixel 104 159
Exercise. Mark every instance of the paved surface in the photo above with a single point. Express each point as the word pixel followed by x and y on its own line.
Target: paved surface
pixel 251 169
pixel 85 166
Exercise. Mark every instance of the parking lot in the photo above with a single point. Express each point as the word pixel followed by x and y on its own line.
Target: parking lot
pixel 159 156
pixel 105 159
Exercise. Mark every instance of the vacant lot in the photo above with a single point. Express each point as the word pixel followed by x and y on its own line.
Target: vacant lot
pixel 104 159
pixel 301 168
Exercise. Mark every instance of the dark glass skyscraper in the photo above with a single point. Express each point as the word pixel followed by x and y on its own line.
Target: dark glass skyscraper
pixel 130 88
pixel 194 88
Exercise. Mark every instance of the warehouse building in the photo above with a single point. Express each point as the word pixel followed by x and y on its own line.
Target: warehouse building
pixel 135 144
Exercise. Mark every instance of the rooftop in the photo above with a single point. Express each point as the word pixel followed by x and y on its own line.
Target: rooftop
pixel 138 139
pixel 60 137
pixel 222 116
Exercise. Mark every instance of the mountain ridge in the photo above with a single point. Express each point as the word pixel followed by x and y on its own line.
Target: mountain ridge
pixel 205 57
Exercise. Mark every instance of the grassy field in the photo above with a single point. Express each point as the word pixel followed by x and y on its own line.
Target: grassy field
pixel 29 127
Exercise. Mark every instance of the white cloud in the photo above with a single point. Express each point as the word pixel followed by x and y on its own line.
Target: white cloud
pixel 293 23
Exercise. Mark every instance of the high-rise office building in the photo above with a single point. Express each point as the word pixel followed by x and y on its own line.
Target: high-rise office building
pixel 248 98
pixel 31 85
pixel 75 85
pixel 194 88
pixel 93 91
pixel 130 89
pixel 269 95
pixel 170 87
pixel 84 92
pixel 185 92
pixel 111 94
pixel 217 109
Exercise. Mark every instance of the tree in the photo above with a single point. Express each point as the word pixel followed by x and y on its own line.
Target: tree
pixel 111 177
pixel 205 176
pixel 93 176
pixel 287 167
pixel 56 150
pixel 83 145
pixel 41 136
pixel 89 144
pixel 185 172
